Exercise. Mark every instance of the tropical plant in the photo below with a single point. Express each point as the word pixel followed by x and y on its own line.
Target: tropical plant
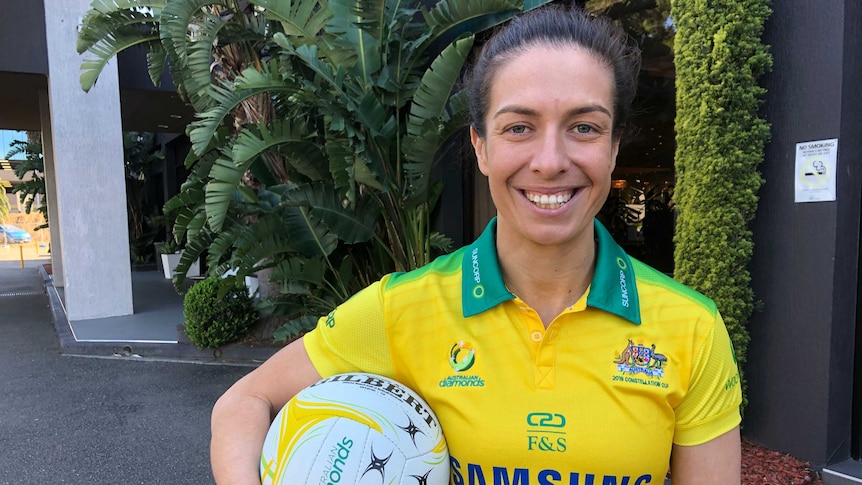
pixel 31 172
pixel 319 126
pixel 141 157
pixel 720 142
pixel 646 21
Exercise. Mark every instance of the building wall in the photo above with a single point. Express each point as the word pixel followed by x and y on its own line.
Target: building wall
pixel 28 53
pixel 805 260
pixel 23 63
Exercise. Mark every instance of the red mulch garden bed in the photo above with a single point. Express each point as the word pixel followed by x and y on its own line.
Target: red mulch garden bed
pixel 761 466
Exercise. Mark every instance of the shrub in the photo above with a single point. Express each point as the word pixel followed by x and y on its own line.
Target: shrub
pixel 216 315
pixel 720 142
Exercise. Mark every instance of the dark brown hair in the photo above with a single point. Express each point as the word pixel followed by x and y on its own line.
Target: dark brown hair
pixel 557 26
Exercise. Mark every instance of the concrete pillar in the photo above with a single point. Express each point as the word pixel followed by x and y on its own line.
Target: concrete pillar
pixel 86 132
pixel 51 189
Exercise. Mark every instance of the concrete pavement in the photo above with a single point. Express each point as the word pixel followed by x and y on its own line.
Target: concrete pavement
pixel 74 420
pixel 158 311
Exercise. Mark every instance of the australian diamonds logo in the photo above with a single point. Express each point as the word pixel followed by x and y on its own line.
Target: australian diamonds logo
pixel 462 356
pixel 639 359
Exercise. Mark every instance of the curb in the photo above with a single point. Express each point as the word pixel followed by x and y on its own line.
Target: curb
pixel 228 355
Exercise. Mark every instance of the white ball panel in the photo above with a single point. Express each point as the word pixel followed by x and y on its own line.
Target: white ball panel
pixel 340 456
pixel 432 468
pixel 288 454
pixel 356 429
pixel 381 462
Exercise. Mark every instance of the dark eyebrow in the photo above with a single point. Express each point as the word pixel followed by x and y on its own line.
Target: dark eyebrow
pixel 523 110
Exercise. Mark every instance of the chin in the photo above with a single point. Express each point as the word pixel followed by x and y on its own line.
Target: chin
pixel 557 235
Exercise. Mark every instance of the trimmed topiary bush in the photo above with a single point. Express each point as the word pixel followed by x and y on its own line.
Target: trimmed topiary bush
pixel 720 140
pixel 214 315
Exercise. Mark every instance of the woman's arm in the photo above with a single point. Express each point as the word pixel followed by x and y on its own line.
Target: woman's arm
pixel 242 415
pixel 716 462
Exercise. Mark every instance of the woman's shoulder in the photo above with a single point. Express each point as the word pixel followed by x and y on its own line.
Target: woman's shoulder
pixel 657 287
pixel 445 266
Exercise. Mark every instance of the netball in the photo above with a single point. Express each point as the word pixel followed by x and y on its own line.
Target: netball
pixel 357 429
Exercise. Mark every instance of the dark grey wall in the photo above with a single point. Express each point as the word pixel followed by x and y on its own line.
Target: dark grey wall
pixel 22 37
pixel 133 74
pixel 23 63
pixel 805 261
pixel 845 300
pixel 24 67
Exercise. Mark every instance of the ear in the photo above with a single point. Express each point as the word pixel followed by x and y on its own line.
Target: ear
pixel 479 148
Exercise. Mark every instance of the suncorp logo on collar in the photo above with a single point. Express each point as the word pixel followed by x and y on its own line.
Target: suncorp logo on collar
pixel 624 290
pixel 478 290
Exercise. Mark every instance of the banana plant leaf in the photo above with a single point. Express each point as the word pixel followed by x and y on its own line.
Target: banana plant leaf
pixel 303 19
pixel 351 225
pixel 426 113
pixel 250 83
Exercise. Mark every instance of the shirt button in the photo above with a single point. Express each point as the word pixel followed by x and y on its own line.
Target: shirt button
pixel 536 336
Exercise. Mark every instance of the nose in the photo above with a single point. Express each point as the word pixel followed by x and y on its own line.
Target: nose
pixel 550 157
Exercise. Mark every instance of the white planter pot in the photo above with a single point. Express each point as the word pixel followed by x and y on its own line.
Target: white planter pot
pixel 252 283
pixel 170 262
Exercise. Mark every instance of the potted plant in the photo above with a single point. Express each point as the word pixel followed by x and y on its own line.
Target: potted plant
pixel 171 255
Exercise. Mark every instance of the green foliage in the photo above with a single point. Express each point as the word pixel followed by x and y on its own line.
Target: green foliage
pixel 217 312
pixel 31 172
pixel 319 125
pixel 141 159
pixel 645 21
pixel 720 143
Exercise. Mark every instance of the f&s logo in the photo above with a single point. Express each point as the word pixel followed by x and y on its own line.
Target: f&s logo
pixel 546 432
pixel 546 420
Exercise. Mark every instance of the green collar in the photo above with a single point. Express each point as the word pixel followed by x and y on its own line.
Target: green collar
pixel 612 289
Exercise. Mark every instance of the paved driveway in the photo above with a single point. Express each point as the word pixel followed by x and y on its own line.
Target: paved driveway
pixel 75 420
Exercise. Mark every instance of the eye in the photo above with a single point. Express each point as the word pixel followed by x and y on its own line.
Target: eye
pixel 518 129
pixel 584 129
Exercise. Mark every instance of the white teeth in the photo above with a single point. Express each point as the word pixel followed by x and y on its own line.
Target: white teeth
pixel 546 201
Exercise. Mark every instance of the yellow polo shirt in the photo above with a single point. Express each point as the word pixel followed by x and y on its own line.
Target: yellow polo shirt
pixel 638 363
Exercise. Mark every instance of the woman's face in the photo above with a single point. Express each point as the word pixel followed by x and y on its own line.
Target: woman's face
pixel 549 149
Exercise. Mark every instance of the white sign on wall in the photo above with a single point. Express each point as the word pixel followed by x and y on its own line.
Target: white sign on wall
pixel 816 167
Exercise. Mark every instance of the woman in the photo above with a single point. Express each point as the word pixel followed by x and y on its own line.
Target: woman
pixel 548 355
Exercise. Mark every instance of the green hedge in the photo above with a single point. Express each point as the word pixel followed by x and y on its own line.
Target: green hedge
pixel 719 57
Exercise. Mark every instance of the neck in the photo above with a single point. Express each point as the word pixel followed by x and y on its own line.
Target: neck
pixel 548 278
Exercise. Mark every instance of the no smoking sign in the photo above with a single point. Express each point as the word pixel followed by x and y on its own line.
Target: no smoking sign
pixel 816 166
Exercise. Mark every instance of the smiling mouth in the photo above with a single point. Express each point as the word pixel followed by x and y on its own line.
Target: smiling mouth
pixel 549 201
